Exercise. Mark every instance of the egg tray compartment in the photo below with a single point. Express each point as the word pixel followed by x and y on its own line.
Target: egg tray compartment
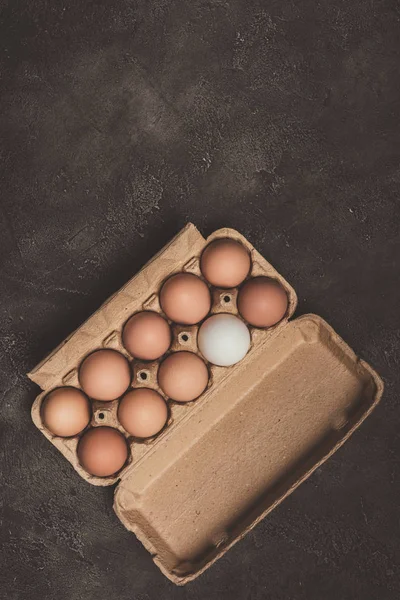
pixel 228 458
pixel 106 413
pixel 113 315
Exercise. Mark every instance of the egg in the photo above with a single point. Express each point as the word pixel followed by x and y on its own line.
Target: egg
pixel 185 298
pixel 142 412
pixel 105 375
pixel 225 263
pixel 223 340
pixel 183 376
pixel 102 451
pixel 146 335
pixel 262 302
pixel 66 411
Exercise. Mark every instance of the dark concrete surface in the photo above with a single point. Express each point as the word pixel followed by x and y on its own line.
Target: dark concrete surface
pixel 122 120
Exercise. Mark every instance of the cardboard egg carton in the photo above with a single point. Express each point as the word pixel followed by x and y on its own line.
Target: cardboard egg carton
pixel 225 460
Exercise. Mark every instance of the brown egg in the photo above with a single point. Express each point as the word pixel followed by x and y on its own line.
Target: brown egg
pixel 142 412
pixel 105 375
pixel 262 302
pixel 185 298
pixel 102 451
pixel 183 376
pixel 146 335
pixel 225 263
pixel 66 411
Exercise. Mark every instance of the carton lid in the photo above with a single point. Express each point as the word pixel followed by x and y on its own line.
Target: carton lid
pixel 288 406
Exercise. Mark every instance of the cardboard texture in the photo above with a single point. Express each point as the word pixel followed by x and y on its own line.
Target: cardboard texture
pixel 227 459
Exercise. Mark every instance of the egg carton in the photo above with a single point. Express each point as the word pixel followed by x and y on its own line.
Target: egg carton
pixel 226 459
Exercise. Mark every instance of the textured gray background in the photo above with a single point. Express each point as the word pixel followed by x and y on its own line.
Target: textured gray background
pixel 120 122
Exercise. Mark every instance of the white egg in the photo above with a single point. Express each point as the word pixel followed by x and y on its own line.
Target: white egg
pixel 223 340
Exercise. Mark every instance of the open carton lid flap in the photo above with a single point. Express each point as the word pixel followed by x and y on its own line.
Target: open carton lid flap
pixel 248 443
